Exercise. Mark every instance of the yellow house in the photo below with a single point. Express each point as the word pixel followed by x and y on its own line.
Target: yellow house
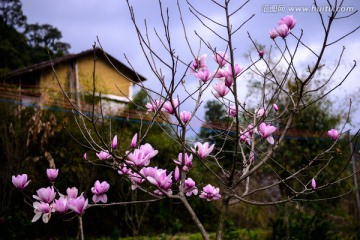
pixel 77 74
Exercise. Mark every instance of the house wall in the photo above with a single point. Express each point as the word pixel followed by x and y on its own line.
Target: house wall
pixel 77 79
pixel 106 78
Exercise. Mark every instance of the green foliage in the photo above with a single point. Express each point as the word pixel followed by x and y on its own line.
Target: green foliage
pixel 19 49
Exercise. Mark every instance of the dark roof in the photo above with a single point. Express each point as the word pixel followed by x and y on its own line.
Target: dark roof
pixel 122 68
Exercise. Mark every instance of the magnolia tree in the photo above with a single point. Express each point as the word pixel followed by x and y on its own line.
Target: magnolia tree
pixel 254 133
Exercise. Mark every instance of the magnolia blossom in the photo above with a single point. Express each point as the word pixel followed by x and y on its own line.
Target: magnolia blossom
pixel 210 193
pixel 245 137
pixel 161 180
pixel 275 107
pixel 142 156
pixel 221 58
pixel 135 179
pixel 85 157
pixel 45 195
pixel 221 89
pixel 289 21
pixel 251 129
pixel 313 183
pixel 190 187
pixel 134 141
pixel 227 74
pixel 231 111
pixel 99 190
pixel 273 34
pixel 261 113
pixel 60 205
pixel 176 174
pixel 114 142
pixel 20 181
pixel 187 164
pixel 72 192
pixel 78 205
pixel 283 30
pixel 52 174
pixel 169 107
pixel 185 116
pixel 42 209
pixel 123 169
pixel 266 130
pixel 333 134
pixel 198 64
pixel 261 53
pixel 103 155
pixel 204 75
pixel 202 150
pixel 148 171
pixel 153 106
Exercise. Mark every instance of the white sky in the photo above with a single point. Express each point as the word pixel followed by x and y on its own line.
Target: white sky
pixel 81 21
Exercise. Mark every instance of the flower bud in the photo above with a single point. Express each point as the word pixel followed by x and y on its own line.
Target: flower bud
pixel 333 134
pixel 114 142
pixel 134 141
pixel 52 174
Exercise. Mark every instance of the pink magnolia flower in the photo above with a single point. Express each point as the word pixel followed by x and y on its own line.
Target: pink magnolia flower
pixel 52 174
pixel 42 209
pixel 266 130
pixel 237 70
pixel 85 157
pixel 198 64
pixel 276 108
pixel 176 174
pixel 147 149
pixel 283 30
pixel 203 75
pixel 231 111
pixel 78 205
pixel 142 156
pixel 148 171
pixel 221 89
pixel 261 113
pixel 261 53
pixel 168 107
pixel 161 180
pixel 221 58
pixel 103 155
pixel 134 141
pixel 20 181
pixel 153 106
pixel 45 195
pixel 123 169
pixel 114 142
pixel 313 183
pixel 187 164
pixel 251 129
pixel 202 150
pixel 72 192
pixel 210 193
pixel 138 158
pixel 99 190
pixel 245 137
pixel 60 205
pixel 135 179
pixel 289 21
pixel 185 117
pixel 190 187
pixel 333 134
pixel 273 34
